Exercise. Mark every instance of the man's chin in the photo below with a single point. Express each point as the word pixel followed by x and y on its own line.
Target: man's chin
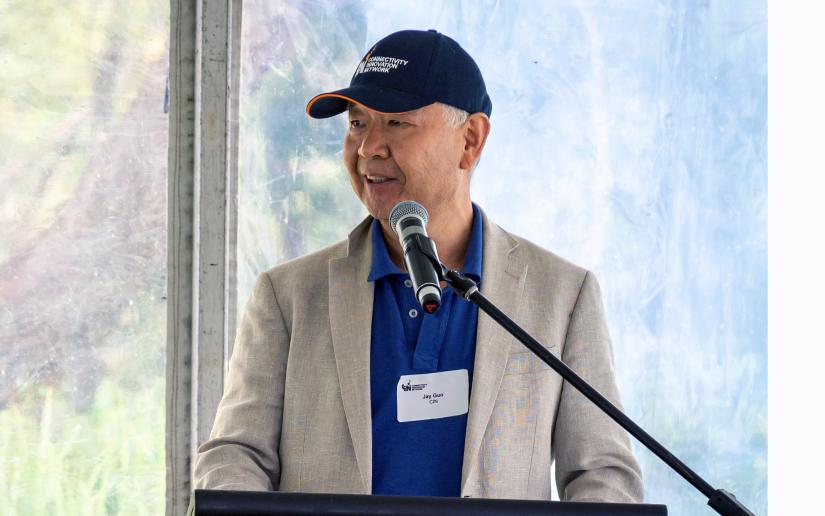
pixel 382 211
pixel 382 214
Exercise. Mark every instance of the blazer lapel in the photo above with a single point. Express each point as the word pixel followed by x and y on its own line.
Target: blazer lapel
pixel 503 275
pixel 350 313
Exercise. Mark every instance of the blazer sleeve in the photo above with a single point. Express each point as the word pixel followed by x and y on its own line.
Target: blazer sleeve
pixel 594 460
pixel 242 450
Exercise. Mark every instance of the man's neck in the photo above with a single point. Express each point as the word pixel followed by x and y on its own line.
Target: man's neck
pixel 450 231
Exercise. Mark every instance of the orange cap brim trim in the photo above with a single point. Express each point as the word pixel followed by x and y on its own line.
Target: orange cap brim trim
pixel 350 99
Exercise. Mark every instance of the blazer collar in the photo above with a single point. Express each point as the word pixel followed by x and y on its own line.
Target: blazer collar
pixel 504 272
pixel 350 314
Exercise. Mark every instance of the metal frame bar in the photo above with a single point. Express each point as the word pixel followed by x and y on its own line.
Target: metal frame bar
pixel 202 217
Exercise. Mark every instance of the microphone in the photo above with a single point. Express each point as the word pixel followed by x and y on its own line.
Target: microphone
pixel 408 220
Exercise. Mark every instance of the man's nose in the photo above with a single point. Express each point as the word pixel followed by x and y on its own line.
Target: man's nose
pixel 374 144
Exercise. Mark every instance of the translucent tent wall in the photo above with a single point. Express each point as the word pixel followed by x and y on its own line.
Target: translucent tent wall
pixel 629 138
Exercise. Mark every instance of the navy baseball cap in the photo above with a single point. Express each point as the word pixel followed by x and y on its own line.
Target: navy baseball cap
pixel 408 70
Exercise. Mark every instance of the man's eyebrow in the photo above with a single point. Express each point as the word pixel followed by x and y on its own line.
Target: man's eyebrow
pixel 355 108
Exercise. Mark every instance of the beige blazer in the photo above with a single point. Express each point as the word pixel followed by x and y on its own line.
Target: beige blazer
pixel 295 413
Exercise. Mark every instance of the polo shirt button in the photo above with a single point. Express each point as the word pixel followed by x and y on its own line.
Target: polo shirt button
pixel 413 313
pixel 407 283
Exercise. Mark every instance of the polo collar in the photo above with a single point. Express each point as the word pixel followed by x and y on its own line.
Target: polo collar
pixel 383 266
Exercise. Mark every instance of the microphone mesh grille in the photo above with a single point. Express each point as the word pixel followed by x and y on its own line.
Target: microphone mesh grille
pixel 404 208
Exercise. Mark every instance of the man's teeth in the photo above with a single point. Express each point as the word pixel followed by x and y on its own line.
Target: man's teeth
pixel 377 179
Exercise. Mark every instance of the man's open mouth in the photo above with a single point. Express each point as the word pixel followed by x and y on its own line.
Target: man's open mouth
pixel 378 179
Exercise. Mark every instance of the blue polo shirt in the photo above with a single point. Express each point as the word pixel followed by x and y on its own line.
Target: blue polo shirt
pixel 417 457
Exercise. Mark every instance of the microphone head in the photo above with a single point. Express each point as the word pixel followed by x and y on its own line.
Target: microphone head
pixel 405 209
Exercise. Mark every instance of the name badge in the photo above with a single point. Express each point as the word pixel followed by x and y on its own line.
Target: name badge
pixel 433 395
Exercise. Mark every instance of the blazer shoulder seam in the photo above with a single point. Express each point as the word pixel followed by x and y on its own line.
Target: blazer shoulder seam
pixel 278 306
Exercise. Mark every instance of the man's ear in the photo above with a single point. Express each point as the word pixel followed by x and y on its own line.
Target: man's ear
pixel 476 129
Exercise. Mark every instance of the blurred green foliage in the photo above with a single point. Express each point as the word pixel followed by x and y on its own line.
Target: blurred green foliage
pixel 82 257
pixel 109 460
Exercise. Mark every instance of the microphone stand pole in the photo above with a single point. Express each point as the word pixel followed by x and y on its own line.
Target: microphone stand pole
pixel 720 500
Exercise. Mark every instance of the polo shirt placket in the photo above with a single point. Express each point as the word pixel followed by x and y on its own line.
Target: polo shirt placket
pixel 417 457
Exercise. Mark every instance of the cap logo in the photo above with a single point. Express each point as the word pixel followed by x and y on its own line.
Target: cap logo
pixel 363 62
pixel 380 64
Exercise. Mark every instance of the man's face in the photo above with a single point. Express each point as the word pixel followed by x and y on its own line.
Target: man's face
pixel 411 156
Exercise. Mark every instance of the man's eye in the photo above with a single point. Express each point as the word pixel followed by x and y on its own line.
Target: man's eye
pixel 355 123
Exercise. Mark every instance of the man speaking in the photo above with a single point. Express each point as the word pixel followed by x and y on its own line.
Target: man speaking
pixel 339 382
